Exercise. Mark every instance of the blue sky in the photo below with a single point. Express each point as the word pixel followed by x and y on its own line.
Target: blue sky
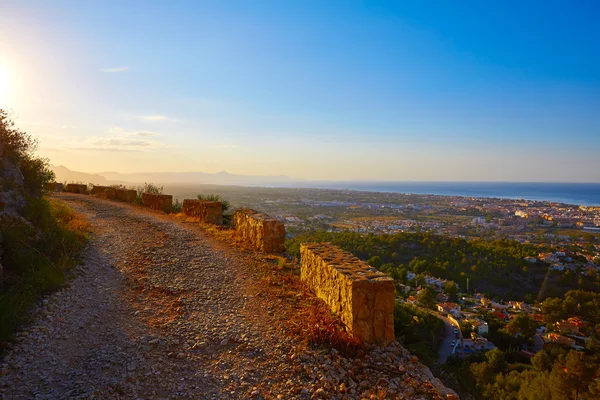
pixel 319 90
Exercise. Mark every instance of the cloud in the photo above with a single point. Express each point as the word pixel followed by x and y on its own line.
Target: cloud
pixel 104 149
pixel 225 146
pixel 156 118
pixel 142 134
pixel 115 70
pixel 120 140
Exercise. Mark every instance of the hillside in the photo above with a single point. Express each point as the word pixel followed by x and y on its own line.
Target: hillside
pixel 160 308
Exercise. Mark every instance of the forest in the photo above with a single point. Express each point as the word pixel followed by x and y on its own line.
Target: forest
pixel 495 267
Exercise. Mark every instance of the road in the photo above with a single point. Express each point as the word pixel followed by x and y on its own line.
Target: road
pixel 161 309
pixel 446 347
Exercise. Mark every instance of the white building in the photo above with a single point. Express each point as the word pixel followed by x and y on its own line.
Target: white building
pixel 481 327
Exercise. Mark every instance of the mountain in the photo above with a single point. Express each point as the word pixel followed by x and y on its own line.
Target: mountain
pixel 220 178
pixel 64 174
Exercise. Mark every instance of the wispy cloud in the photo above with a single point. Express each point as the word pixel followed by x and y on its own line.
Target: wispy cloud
pixel 142 134
pixel 108 149
pixel 156 118
pixel 225 146
pixel 120 140
pixel 47 125
pixel 115 70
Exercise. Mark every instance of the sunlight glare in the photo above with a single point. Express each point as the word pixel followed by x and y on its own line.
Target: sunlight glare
pixel 4 84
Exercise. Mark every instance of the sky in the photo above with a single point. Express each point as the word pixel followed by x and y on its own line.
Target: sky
pixel 327 90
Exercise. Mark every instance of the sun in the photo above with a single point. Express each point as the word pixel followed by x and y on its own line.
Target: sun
pixel 4 84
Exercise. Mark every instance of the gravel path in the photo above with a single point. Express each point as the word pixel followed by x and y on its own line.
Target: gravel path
pixel 162 310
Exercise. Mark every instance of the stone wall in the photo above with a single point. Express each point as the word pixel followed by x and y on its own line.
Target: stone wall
pixel 99 190
pixel 265 233
pixel 126 195
pixel 362 296
pixel 76 188
pixel 206 211
pixel 161 202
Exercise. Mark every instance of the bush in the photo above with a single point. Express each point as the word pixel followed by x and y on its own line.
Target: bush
pixel 37 257
pixel 177 206
pixel 225 206
pixel 147 188
pixel 19 147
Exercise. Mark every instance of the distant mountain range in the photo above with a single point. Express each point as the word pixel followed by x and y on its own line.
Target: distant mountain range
pixel 220 178
pixel 65 174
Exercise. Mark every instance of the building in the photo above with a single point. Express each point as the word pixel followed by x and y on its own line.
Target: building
pixel 448 308
pixel 567 327
pixel 478 221
pixel 561 340
pixel 522 214
pixel 481 327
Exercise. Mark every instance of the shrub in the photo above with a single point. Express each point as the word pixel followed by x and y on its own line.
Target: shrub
pixel 19 147
pixel 177 206
pixel 37 257
pixel 147 188
pixel 225 206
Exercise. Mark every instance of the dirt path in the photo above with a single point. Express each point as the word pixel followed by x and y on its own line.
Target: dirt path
pixel 160 309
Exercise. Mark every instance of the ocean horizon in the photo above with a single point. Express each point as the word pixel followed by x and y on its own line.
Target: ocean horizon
pixel 586 194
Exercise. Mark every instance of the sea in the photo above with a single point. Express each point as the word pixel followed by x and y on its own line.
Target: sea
pixel 587 194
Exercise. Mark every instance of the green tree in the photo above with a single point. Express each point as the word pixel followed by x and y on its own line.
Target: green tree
pixel 541 361
pixel 427 297
pixel 451 290
pixel 522 324
pixel 496 359
pixel 572 380
pixel 374 261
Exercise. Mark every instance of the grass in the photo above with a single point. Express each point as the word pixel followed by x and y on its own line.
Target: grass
pixel 37 257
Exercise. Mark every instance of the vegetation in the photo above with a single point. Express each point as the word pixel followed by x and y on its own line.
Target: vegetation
pixel 147 188
pixel 555 374
pixel 19 148
pixel 37 257
pixel 496 267
pixel 225 206
pixel 43 245
pixel 419 331
pixel 177 206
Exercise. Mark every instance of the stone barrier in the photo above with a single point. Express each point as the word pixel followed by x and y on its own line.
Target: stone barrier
pixel 265 233
pixel 161 202
pixel 362 296
pixel 126 195
pixel 99 189
pixel 206 211
pixel 76 188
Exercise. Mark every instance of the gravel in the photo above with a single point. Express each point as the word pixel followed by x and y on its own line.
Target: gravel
pixel 160 309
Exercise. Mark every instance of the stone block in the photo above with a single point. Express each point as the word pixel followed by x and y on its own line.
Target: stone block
pixel 264 232
pixel 96 190
pixel 76 188
pixel 207 211
pixel 126 195
pixel 360 295
pixel 160 202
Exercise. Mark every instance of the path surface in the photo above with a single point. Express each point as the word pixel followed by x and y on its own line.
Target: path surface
pixel 160 309
pixel 446 347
